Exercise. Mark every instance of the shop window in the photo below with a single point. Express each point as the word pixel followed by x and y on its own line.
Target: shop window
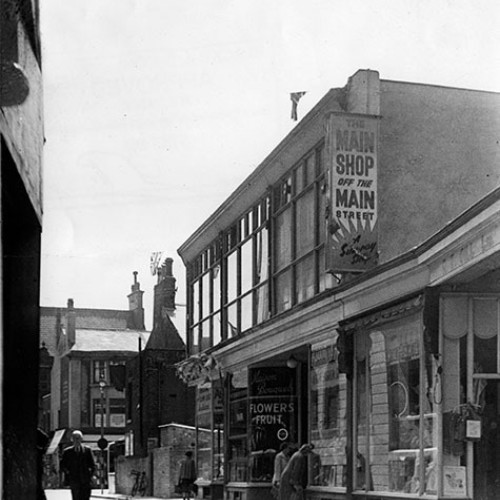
pixel 396 416
pixel 238 438
pixel 327 466
pixel 273 414
pixel 204 433
pixel 471 388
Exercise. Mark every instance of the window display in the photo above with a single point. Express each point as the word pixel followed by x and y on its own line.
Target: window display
pixel 328 420
pixel 396 418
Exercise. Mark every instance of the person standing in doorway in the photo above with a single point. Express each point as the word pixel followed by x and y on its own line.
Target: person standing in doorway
pixel 187 476
pixel 294 477
pixel 280 461
pixel 78 465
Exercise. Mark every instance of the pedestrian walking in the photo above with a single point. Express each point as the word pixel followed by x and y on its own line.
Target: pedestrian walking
pixel 187 476
pixel 78 466
pixel 294 477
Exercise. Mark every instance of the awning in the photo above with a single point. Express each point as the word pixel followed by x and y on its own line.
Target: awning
pixel 56 439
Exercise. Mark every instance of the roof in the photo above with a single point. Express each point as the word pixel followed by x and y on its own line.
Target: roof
pixel 98 319
pixel 92 340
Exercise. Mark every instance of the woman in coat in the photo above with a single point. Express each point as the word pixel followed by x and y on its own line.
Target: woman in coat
pixel 294 477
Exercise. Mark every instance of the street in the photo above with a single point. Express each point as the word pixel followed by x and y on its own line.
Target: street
pixel 62 494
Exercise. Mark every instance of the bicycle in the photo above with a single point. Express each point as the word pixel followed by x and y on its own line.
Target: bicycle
pixel 140 483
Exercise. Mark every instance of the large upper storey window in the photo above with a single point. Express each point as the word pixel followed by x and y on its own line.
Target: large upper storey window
pixel 270 259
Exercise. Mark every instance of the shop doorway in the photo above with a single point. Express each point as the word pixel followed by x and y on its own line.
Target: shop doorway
pixel 487 449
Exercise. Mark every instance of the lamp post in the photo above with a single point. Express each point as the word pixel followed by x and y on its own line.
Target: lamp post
pixel 102 442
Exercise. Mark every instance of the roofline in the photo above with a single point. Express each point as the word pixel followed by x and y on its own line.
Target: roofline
pixel 82 309
pixel 437 86
pixel 259 170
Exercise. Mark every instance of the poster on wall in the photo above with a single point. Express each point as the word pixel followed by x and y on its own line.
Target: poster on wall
pixel 352 197
pixel 454 480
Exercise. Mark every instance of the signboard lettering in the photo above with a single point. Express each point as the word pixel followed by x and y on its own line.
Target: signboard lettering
pixel 352 145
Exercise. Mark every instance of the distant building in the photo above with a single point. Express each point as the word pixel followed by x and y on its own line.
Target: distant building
pixel 155 395
pixel 90 349
pixel 21 144
pixel 347 294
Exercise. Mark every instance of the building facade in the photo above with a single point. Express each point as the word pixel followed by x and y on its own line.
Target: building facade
pixel 346 295
pixel 90 349
pixel 155 395
pixel 21 144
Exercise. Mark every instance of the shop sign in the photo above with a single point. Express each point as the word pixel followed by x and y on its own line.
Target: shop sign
pixel 204 400
pixel 273 420
pixel 351 218
pixel 272 381
pixel 273 407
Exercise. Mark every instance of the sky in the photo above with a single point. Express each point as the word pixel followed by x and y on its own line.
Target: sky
pixel 156 110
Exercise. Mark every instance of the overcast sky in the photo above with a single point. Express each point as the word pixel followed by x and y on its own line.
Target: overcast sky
pixel 156 110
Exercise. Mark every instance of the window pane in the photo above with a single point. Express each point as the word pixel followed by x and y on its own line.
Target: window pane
pixel 216 328
pixel 246 312
pixel 305 279
pixel 299 179
pixel 283 239
pixel 205 334
pixel 310 173
pixel 261 259
pixel 205 283
pixel 304 235
pixel 326 280
pixel 232 317
pixel 216 287
pixel 485 327
pixel 262 303
pixel 328 419
pixel 284 291
pixel 232 276
pixel 246 267
pixel 196 302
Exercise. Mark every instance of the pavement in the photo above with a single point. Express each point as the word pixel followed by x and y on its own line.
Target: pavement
pixel 106 494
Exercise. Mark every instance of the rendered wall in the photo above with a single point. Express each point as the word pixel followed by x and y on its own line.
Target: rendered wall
pixel 439 154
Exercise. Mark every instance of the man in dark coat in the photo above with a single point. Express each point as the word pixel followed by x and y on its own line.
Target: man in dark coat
pixel 294 477
pixel 78 465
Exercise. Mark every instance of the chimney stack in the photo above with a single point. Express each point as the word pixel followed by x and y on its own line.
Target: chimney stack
pixel 71 323
pixel 136 316
pixel 164 294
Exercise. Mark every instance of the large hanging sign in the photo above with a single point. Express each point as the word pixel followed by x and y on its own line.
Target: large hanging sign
pixel 351 218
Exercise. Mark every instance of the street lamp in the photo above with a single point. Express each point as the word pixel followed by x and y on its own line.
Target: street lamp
pixel 102 442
